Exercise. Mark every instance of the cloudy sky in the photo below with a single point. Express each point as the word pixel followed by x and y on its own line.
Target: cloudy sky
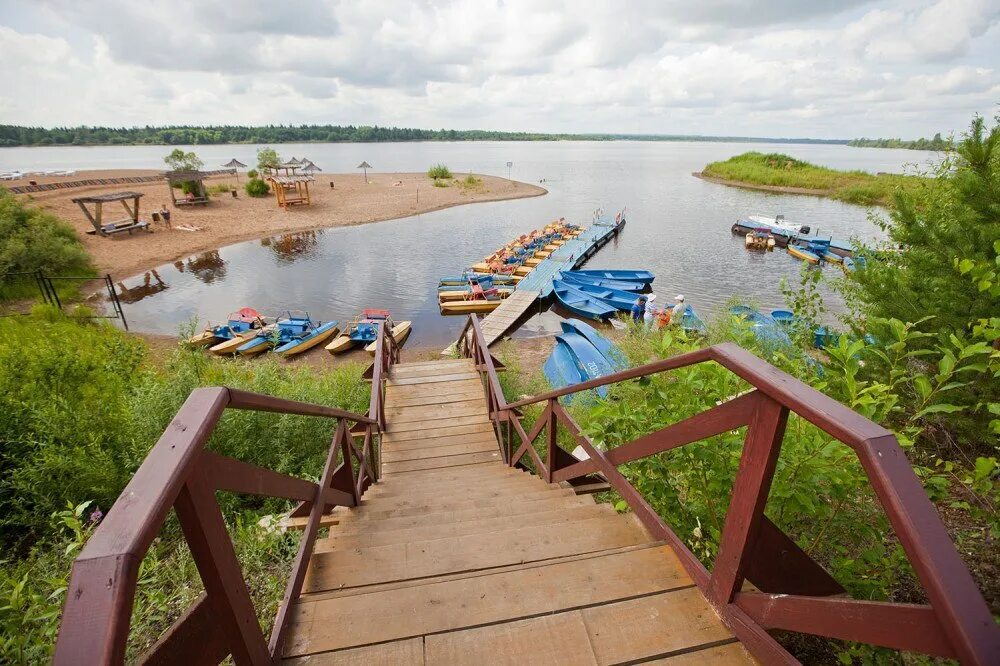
pixel 819 68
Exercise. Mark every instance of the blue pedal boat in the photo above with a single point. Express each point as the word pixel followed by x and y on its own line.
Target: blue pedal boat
pixel 581 304
pixel 645 277
pixel 621 285
pixel 621 300
pixel 292 335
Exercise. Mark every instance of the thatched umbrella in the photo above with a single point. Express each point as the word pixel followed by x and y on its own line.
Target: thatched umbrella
pixel 310 167
pixel 365 166
pixel 235 164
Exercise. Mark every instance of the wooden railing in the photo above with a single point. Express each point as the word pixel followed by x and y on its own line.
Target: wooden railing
pixel 793 592
pixel 179 473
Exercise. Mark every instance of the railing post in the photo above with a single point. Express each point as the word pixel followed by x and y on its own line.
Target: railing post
pixel 551 426
pixel 750 491
pixel 206 534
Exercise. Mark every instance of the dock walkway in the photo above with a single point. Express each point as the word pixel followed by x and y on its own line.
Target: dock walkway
pixel 538 283
pixel 456 558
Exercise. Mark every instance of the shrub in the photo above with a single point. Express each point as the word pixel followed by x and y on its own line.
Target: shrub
pixel 256 187
pixel 178 160
pixel 252 173
pixel 267 158
pixel 220 188
pixel 439 171
pixel 34 240
pixel 441 183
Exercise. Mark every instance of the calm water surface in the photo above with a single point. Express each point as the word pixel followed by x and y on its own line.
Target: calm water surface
pixel 678 227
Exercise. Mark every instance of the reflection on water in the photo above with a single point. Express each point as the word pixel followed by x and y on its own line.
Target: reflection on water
pixel 150 283
pixel 678 227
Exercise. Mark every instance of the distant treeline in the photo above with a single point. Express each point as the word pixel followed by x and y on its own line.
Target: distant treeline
pixel 937 143
pixel 12 135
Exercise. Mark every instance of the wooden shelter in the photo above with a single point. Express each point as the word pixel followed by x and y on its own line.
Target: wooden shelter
pixel 200 194
pixel 291 190
pixel 235 165
pixel 96 218
pixel 365 166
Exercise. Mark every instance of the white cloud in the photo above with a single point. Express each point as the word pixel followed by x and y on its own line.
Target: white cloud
pixel 779 68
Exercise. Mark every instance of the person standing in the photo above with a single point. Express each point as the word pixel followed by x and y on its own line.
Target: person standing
pixel 165 215
pixel 639 309
pixel 678 310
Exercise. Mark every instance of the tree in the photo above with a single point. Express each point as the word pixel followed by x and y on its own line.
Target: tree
pixel 178 160
pixel 267 158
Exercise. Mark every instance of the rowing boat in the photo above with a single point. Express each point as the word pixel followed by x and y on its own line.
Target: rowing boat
pixel 465 307
pixel 621 300
pixel 625 275
pixel 803 253
pixel 621 285
pixel 460 294
pixel 614 356
pixel 580 303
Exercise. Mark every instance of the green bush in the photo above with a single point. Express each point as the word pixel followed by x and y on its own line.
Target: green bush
pixel 34 240
pixel 267 158
pixel 439 171
pixel 178 160
pixel 220 188
pixel 256 187
pixel 252 173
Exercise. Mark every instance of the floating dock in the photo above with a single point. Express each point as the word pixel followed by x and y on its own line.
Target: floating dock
pixel 537 285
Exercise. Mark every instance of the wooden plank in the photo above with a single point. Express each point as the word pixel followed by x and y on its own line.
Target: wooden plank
pixel 332 623
pixel 459 485
pixel 436 388
pixel 429 453
pixel 401 507
pixel 422 559
pixel 367 539
pixel 441 431
pixel 436 379
pixel 444 477
pixel 444 517
pixel 731 654
pixel 410 651
pixel 437 442
pixel 432 424
pixel 553 639
pixel 449 461
pixel 451 368
pixel 418 398
pixel 653 627
pixel 475 407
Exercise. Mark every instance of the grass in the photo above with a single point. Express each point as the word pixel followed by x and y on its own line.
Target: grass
pixel 439 171
pixel 219 188
pixel 779 170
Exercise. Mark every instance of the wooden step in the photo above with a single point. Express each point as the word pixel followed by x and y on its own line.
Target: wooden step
pixel 436 463
pixel 421 559
pixel 474 497
pixel 341 538
pixel 474 406
pixel 502 487
pixel 444 476
pixel 431 453
pixel 434 424
pixel 420 398
pixel 665 626
pixel 440 431
pixel 448 368
pixel 402 507
pixel 434 379
pixel 486 598
pixel 348 521
pixel 432 362
pixel 436 442
pixel 443 388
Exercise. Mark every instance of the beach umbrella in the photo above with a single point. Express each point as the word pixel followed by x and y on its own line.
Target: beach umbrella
pixel 235 164
pixel 365 166
pixel 310 168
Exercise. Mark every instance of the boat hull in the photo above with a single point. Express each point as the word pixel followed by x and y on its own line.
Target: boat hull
pixel 399 333
pixel 803 254
pixel 583 305
pixel 621 285
pixel 317 336
pixel 231 345
pixel 620 300
pixel 645 277
pixel 465 307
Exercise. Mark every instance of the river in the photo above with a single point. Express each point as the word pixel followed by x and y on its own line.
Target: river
pixel 678 227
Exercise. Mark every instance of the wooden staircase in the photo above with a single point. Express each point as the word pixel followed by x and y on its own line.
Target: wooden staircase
pixel 454 557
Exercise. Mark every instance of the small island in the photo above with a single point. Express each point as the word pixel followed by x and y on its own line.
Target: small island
pixel 777 172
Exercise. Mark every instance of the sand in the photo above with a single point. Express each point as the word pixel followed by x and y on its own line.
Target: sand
pixel 226 220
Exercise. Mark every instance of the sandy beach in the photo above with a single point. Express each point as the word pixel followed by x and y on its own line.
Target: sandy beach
pixel 227 220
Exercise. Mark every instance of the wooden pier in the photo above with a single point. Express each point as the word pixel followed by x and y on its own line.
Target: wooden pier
pixel 538 283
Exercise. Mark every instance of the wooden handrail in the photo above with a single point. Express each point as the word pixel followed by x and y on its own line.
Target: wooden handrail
pixel 179 473
pixel 794 590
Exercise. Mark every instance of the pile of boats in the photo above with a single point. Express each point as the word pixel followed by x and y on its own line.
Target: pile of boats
pixel 581 354
pixel 484 286
pixel 249 333
pixel 766 233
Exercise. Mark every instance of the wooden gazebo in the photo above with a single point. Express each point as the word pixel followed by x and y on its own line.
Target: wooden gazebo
pixel 200 195
pixel 235 165
pixel 96 217
pixel 291 190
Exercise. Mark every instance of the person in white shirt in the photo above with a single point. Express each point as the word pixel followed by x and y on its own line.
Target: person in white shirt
pixel 678 310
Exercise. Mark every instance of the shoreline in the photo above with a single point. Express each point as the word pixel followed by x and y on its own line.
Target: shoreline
pixel 777 189
pixel 227 221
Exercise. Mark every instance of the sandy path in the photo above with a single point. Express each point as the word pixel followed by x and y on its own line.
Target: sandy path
pixel 226 220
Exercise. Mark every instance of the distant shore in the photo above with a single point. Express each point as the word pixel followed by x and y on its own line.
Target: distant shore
pixel 226 220
pixel 780 189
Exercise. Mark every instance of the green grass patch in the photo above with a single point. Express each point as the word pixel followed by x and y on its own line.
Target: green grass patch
pixel 439 171
pixel 779 170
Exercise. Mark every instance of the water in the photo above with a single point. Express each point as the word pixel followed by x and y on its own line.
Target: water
pixel 678 227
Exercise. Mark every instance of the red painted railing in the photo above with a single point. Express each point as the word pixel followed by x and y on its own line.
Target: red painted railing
pixel 795 593
pixel 179 473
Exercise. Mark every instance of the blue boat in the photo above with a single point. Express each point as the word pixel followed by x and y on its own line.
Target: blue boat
pixel 764 327
pixel 783 317
pixel 691 322
pixel 621 285
pixel 614 356
pixel 574 360
pixel 292 335
pixel 645 277
pixel 621 300
pixel 581 304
